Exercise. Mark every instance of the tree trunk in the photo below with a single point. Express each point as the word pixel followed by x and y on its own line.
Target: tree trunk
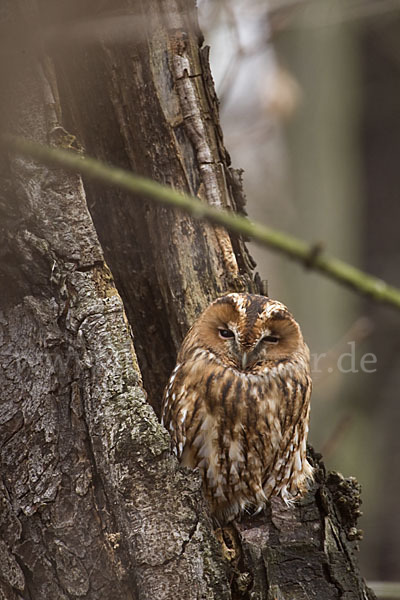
pixel 93 504
pixel 158 117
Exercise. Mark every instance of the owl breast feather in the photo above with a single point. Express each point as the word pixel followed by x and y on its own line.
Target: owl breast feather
pixel 245 432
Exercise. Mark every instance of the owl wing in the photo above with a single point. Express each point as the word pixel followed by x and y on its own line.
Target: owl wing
pixel 175 410
pixel 291 469
pixel 193 429
pixel 294 412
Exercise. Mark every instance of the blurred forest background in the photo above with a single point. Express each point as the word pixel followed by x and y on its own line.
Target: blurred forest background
pixel 310 109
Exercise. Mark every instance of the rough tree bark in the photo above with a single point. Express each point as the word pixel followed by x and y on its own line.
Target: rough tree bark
pixel 149 105
pixel 92 503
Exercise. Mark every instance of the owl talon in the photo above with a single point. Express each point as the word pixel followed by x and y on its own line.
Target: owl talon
pixel 226 536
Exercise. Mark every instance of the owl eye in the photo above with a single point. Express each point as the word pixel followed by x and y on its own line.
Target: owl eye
pixel 271 339
pixel 226 333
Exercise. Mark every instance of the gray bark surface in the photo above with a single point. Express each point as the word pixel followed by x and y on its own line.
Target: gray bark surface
pixel 93 505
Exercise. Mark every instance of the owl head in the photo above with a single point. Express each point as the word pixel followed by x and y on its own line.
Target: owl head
pixel 246 330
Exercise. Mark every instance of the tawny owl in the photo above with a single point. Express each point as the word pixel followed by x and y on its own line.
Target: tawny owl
pixel 237 404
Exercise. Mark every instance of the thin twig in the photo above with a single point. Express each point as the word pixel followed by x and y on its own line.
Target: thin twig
pixel 292 247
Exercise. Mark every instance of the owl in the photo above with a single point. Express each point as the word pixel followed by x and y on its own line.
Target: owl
pixel 237 404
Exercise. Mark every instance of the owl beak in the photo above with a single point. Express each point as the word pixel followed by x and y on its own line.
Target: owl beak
pixel 244 360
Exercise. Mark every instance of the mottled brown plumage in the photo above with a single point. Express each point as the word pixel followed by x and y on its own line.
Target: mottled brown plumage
pixel 237 404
